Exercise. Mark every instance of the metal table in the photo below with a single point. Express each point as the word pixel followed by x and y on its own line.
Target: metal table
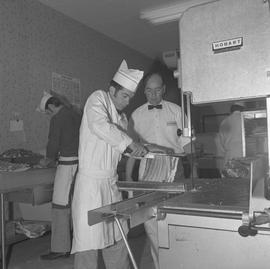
pixel 12 182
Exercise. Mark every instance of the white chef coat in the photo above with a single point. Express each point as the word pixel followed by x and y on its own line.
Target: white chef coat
pixel 102 140
pixel 158 126
pixel 229 139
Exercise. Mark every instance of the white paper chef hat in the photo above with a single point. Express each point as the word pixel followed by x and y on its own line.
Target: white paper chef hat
pixel 46 96
pixel 128 78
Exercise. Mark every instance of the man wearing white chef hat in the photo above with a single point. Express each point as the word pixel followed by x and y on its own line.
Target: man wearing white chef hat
pixel 229 139
pixel 62 148
pixel 103 139
pixel 42 105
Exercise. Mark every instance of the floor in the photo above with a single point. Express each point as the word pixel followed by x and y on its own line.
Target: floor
pixel 26 254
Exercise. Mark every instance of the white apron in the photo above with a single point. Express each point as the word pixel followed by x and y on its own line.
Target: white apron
pixel 63 180
pixel 93 193
pixel 102 140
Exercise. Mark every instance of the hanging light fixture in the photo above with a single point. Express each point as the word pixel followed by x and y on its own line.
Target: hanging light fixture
pixel 169 13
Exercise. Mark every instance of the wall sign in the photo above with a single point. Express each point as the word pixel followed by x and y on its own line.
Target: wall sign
pixel 68 87
pixel 227 45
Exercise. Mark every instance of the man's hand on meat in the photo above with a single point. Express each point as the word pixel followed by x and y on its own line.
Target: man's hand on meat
pixel 137 150
pixel 159 149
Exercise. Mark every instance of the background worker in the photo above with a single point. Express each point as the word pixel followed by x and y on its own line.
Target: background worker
pixel 103 138
pixel 156 123
pixel 229 138
pixel 62 148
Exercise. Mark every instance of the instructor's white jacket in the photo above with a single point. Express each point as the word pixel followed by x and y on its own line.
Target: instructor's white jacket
pixel 102 140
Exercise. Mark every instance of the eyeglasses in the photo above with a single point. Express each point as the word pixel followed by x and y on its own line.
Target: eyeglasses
pixel 157 89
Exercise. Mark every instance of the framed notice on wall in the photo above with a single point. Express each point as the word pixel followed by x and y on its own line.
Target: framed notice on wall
pixel 68 87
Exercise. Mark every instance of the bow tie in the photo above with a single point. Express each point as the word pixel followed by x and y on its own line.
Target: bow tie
pixel 152 106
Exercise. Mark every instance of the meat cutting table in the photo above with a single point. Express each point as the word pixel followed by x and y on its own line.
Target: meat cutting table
pixel 221 198
pixel 209 210
pixel 31 186
pixel 203 229
pixel 138 209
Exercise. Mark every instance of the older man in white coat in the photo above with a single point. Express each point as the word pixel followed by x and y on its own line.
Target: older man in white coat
pixel 103 139
pixel 165 120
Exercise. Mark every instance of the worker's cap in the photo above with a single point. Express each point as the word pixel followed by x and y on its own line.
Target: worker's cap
pixel 128 78
pixel 42 106
pixel 239 103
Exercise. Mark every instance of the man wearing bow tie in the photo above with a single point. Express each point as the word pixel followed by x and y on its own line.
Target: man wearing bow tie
pixel 157 124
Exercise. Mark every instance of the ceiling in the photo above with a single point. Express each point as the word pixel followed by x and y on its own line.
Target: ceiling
pixel 120 20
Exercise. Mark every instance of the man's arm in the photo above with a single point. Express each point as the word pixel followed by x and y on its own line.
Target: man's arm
pixel 159 149
pixel 54 138
pixel 99 122
pixel 53 145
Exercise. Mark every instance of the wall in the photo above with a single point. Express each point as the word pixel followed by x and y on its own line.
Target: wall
pixel 36 41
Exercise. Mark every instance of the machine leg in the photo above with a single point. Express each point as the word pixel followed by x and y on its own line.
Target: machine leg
pixel 3 235
pixel 126 242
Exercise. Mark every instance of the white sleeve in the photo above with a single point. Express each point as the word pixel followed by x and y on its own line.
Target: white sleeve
pixel 100 123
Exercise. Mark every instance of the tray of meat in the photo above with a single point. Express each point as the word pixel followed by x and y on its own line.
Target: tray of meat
pixel 13 167
pixel 21 156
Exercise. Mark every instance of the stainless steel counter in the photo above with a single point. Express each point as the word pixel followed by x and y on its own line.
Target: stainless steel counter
pixel 211 197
